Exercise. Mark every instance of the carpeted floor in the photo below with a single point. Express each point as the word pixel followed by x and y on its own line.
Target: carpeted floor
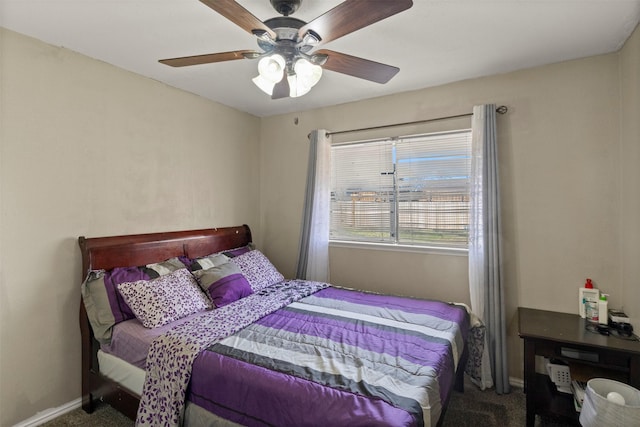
pixel 475 408
pixel 103 416
pixel 485 408
pixel 472 408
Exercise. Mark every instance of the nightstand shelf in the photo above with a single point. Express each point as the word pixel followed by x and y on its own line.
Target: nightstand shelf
pixel 564 337
pixel 552 403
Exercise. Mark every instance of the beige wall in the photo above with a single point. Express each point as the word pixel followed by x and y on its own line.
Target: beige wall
pixel 90 149
pixel 559 155
pixel 630 176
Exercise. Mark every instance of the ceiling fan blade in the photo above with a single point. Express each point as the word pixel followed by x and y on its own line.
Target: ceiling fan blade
pixel 240 16
pixel 206 59
pixel 358 67
pixel 352 15
pixel 281 89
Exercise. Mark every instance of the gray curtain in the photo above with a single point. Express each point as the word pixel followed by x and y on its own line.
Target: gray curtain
pixel 313 257
pixel 486 284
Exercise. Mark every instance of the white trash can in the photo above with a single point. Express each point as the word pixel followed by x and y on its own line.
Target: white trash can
pixel 610 403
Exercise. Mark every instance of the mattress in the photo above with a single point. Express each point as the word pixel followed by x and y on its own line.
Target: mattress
pixel 124 373
pixel 130 340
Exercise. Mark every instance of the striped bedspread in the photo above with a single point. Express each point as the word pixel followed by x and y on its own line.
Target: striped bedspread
pixel 335 358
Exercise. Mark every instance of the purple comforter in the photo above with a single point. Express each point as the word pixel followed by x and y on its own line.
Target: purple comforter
pixel 304 354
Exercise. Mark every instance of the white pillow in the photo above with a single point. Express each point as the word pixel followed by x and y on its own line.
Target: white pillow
pixel 209 261
pixel 165 299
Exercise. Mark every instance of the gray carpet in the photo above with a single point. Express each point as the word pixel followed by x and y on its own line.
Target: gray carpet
pixel 469 409
pixel 475 408
pixel 103 416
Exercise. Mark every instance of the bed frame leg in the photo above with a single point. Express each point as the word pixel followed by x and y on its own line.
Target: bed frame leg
pixel 87 403
pixel 459 381
pixel 458 384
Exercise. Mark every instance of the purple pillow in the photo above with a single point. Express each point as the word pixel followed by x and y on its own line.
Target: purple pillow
pixel 232 253
pixel 165 299
pixel 258 270
pixel 223 284
pixel 112 278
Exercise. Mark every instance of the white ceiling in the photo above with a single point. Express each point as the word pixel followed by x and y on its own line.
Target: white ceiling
pixel 434 42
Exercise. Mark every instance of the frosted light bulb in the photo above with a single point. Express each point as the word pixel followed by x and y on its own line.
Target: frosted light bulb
pixel 271 68
pixel 616 397
pixel 264 84
pixel 306 76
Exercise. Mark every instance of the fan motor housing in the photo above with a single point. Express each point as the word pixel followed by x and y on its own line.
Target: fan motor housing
pixel 285 7
pixel 286 29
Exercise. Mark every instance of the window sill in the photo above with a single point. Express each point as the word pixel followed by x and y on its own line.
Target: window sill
pixel 399 248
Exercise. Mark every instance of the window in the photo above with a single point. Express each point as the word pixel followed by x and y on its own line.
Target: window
pixel 410 190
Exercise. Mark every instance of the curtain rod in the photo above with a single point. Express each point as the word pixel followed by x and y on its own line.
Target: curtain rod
pixel 501 110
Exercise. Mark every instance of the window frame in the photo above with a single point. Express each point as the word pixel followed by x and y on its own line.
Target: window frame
pixel 396 245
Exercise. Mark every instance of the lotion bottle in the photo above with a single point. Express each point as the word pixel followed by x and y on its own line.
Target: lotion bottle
pixel 603 312
pixel 586 295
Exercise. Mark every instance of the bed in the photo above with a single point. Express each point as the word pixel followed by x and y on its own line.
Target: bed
pixel 283 352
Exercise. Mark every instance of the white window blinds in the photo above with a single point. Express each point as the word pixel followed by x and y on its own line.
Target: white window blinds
pixel 410 190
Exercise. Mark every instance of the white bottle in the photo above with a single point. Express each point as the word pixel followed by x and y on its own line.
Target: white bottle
pixel 588 298
pixel 603 313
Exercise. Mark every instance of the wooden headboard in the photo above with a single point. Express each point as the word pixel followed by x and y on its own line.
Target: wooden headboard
pixel 104 253
pixel 140 249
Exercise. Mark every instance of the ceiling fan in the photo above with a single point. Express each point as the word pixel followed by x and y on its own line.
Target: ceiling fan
pixel 289 65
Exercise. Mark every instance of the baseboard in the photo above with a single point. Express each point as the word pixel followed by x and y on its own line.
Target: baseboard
pixel 516 382
pixel 50 414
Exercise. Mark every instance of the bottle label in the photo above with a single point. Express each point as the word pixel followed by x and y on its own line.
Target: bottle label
pixel 591 311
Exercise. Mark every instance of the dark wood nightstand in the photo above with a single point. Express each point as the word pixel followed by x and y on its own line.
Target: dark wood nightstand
pixel 564 337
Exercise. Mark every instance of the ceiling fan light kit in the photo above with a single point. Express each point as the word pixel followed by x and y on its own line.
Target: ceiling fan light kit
pixel 287 65
pixel 271 70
